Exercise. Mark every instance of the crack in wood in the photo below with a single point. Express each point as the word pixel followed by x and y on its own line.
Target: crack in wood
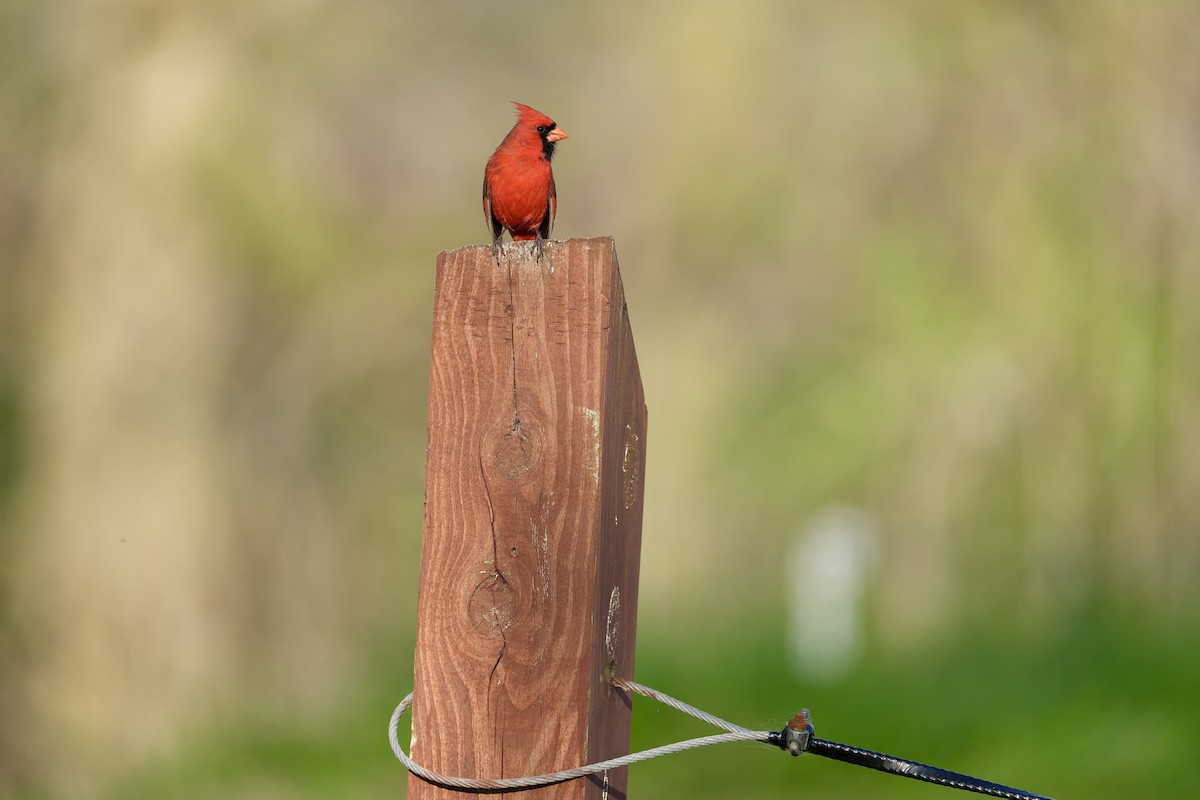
pixel 493 583
pixel 499 657
pixel 512 343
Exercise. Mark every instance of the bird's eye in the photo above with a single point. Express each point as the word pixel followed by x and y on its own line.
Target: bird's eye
pixel 542 129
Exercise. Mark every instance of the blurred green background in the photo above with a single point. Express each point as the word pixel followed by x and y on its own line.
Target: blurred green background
pixel 932 268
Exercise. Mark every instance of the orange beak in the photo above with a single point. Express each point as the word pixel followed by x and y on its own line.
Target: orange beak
pixel 556 135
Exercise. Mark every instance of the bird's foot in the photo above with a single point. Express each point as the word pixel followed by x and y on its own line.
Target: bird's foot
pixel 496 251
pixel 537 248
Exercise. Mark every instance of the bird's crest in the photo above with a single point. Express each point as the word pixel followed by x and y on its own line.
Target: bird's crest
pixel 532 115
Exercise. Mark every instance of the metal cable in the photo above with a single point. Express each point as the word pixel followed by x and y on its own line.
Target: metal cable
pixel 678 705
pixel 734 733
pixel 796 738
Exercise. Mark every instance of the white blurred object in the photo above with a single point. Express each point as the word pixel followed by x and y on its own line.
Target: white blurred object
pixel 828 568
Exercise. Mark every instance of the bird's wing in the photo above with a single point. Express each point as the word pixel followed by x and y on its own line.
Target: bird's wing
pixel 551 212
pixel 489 218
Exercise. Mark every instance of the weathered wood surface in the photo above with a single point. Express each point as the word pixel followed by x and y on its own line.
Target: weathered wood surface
pixel 533 508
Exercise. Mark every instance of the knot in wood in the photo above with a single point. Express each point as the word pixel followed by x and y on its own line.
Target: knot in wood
pixel 514 454
pixel 493 605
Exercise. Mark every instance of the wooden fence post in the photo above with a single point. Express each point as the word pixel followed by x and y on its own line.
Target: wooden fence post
pixel 533 510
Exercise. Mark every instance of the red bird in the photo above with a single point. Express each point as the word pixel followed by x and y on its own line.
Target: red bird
pixel 518 184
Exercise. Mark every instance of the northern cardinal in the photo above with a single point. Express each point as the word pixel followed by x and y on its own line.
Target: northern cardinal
pixel 518 184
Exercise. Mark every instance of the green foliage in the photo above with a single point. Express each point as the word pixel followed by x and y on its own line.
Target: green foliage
pixel 1097 710
pixel 935 262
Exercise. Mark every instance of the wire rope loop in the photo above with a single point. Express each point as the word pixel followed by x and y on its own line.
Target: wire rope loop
pixel 733 733
pixel 796 738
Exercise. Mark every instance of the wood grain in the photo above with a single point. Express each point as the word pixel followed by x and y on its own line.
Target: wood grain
pixel 533 504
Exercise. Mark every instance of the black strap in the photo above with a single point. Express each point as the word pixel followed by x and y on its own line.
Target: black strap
pixel 911 769
pixel 798 738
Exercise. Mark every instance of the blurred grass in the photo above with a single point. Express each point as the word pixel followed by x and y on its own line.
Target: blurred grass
pixel 1100 712
pixel 994 703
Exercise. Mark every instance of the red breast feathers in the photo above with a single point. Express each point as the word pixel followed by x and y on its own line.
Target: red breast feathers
pixel 518 183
